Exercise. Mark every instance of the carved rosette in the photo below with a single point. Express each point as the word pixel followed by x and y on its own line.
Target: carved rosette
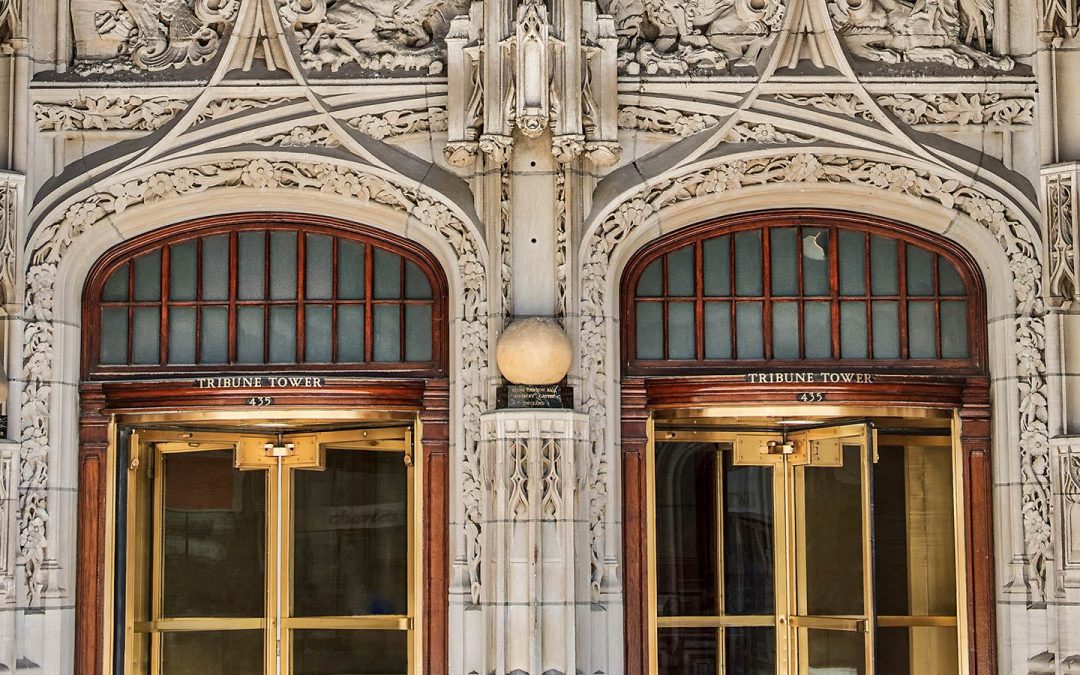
pixel 58 238
pixel 598 375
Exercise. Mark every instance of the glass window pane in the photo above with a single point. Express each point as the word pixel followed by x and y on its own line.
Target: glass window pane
pixel 417 286
pixel 922 333
pixel 350 331
pixel 686 651
pixel 148 277
pixel 883 273
pixel 852 262
pixel 376 652
pixel 182 267
pixel 748 263
pixel 318 267
pixel 886 316
pixel 318 334
pixel 650 330
pixel 114 335
pixel 681 338
pixel 387 335
pixel 215 267
pixel 232 652
pixel 749 335
pixel 718 330
pixel 116 288
pixel 834 651
pixel 921 649
pixel 387 275
pixel 214 554
pixel 750 651
pixel 418 332
pixel 920 270
pixel 949 280
pixel 680 270
pixel 853 330
pixel 214 337
pixel 815 261
pixel 146 335
pixel 282 265
pixel 350 270
pixel 283 334
pixel 250 335
pixel 650 285
pixel 817 330
pixel 784 267
pixel 252 266
pixel 351 536
pixel 182 335
pixel 785 330
pixel 748 538
pixel 954 337
pixel 717 265
pixel 686 528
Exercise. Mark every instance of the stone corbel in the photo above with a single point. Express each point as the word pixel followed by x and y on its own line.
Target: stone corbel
pixel 1060 225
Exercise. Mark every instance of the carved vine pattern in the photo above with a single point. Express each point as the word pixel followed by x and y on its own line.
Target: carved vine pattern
pixel 597 307
pixel 59 237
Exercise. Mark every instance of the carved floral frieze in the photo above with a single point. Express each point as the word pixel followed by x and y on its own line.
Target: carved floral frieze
pixel 400 122
pixel 105 113
pixel 961 108
pixel 1029 331
pixel 677 123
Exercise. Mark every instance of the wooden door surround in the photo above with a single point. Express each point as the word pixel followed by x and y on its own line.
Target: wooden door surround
pixel 429 399
pixel 970 396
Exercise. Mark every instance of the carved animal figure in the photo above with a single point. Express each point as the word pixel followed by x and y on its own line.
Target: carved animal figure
pixel 170 34
pixel 372 26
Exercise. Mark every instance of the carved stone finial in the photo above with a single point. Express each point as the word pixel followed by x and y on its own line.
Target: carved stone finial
pixel 533 79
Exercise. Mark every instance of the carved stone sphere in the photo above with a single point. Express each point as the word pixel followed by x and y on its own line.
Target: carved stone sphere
pixel 534 351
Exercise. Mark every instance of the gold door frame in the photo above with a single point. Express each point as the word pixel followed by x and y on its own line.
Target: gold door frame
pixel 694 426
pixel 278 420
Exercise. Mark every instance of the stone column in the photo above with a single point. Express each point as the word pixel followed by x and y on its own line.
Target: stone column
pixel 537 529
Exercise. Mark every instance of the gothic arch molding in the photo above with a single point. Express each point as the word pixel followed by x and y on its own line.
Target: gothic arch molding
pixel 166 193
pixel 979 217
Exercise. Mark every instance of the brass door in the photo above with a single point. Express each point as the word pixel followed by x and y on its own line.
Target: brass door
pixel 251 553
pixel 762 553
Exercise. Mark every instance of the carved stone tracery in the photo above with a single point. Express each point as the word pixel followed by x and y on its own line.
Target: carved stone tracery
pixel 40 368
pixel 597 304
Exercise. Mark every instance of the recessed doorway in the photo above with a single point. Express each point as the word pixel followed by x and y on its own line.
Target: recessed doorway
pixel 806 545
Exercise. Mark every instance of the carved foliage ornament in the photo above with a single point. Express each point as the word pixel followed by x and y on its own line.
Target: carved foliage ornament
pixel 1029 347
pixel 58 238
pixel 103 113
pixel 133 35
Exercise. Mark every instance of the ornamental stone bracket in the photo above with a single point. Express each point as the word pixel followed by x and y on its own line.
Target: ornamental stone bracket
pixel 1060 225
pixel 537 77
pixel 538 502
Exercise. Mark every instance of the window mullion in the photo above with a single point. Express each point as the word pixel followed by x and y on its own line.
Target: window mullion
pixel 902 316
pixel 301 295
pixel 163 318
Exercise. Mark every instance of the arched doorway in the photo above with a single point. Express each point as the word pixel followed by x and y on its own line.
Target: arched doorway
pixel 805 431
pixel 263 451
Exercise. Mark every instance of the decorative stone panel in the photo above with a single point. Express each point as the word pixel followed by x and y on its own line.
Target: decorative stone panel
pixel 536 459
pixel 1060 227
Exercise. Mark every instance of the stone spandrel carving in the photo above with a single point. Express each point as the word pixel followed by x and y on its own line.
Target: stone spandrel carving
pixel 385 35
pixel 678 36
pixel 950 32
pixel 147 35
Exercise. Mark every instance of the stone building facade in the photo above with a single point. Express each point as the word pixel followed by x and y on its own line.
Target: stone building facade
pixel 529 157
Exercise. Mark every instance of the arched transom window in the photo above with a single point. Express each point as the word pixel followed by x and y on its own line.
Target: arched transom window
pixel 797 289
pixel 272 296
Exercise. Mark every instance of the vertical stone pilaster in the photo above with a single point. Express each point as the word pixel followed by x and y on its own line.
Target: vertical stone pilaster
pixel 538 577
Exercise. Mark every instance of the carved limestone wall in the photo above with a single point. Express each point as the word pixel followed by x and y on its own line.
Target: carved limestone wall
pixel 1062 228
pixel 597 305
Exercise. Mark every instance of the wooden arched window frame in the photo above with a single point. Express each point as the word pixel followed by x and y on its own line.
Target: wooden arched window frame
pixel 712 298
pixel 219 298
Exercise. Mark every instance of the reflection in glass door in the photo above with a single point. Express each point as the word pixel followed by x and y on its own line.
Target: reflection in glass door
pixel 818 552
pixel 269 555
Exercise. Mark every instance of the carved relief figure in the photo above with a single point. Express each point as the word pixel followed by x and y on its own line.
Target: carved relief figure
pixel 675 36
pixel 374 34
pixel 950 32
pixel 114 35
